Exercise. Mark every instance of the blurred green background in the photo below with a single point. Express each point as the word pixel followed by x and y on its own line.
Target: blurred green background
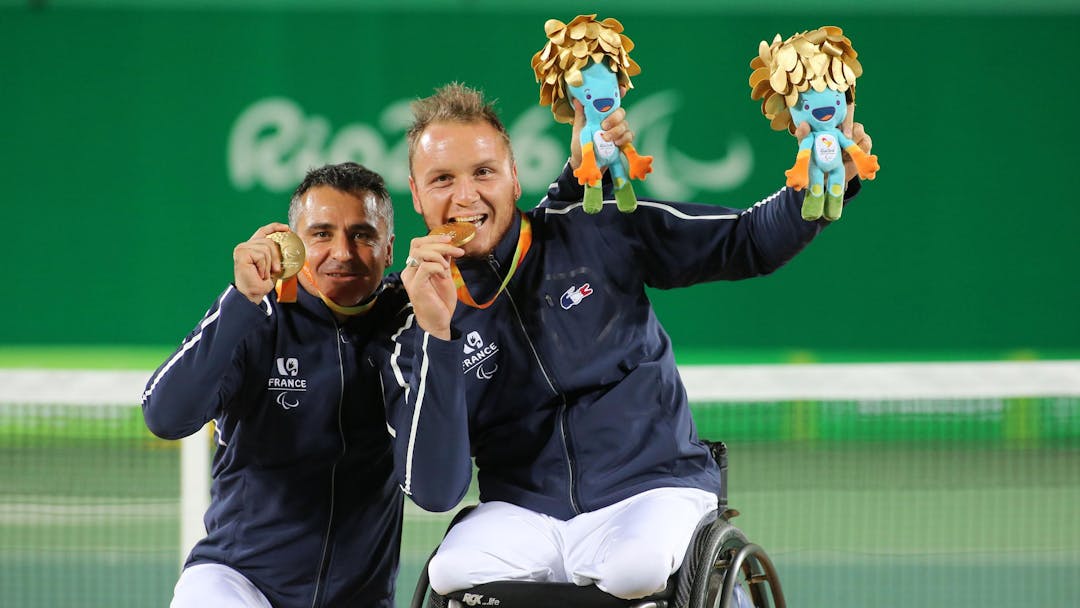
pixel 143 140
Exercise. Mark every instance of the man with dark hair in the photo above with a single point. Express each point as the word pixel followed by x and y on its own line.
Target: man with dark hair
pixel 589 464
pixel 351 178
pixel 306 509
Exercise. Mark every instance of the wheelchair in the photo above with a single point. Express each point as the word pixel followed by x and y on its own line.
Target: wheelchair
pixel 718 559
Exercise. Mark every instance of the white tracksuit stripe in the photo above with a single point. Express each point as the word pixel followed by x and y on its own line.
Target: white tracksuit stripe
pixel 420 391
pixel 187 345
pixel 397 353
pixel 673 211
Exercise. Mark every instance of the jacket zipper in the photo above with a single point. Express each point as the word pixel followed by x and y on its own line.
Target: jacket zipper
pixel 563 433
pixel 333 475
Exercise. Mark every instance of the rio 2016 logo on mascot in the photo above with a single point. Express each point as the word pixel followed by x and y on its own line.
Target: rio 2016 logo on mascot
pixel 810 78
pixel 589 60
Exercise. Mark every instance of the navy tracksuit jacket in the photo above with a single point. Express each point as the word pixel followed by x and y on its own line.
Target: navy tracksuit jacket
pixel 305 496
pixel 573 398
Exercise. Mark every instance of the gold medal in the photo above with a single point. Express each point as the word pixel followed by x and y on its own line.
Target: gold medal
pixel 292 252
pixel 459 232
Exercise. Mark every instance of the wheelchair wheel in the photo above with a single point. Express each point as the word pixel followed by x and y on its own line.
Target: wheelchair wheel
pixel 425 592
pixel 724 559
pixel 438 601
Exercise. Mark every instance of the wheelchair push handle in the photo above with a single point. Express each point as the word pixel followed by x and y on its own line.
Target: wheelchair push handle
pixel 718 449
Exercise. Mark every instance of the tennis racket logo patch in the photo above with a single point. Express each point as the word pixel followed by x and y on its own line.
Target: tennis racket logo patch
pixel 288 366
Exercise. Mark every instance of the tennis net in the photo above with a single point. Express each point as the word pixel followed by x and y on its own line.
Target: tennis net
pixel 873 484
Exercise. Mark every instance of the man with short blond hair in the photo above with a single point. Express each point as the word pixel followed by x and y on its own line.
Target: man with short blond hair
pixel 590 468
pixel 454 103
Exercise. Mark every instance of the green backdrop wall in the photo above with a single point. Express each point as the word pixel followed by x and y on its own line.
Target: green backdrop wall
pixel 140 146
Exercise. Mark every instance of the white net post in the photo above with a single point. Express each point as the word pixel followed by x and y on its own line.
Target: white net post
pixel 194 488
pixel 105 387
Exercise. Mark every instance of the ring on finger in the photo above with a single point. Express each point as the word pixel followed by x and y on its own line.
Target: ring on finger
pixel 411 261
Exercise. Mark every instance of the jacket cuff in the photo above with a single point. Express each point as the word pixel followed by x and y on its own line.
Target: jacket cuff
pixel 446 347
pixel 236 307
pixel 566 187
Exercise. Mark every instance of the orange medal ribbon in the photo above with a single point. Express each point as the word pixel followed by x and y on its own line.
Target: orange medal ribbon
pixel 286 290
pixel 523 244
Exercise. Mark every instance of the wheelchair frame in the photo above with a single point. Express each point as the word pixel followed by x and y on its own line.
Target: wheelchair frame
pixel 718 555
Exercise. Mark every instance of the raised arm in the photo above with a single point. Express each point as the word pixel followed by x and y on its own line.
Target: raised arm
pixel 679 244
pixel 196 382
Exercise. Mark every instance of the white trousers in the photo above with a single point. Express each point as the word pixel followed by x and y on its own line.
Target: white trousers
pixel 628 549
pixel 217 586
